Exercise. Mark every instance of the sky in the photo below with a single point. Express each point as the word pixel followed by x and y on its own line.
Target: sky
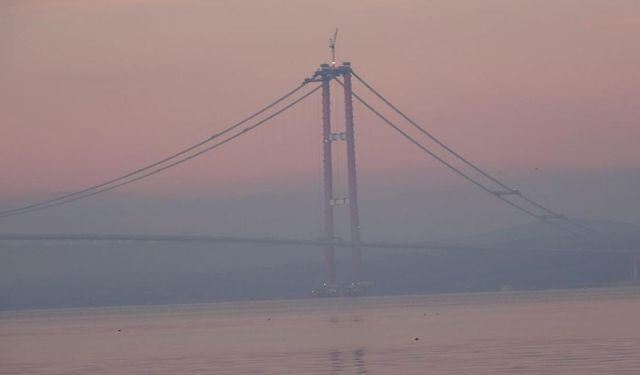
pixel 537 92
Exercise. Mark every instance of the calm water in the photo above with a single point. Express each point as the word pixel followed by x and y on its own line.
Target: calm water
pixel 556 332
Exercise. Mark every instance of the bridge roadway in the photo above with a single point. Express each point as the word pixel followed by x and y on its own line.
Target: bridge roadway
pixel 286 241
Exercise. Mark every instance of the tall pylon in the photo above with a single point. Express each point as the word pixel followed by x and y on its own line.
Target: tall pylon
pixel 329 236
pixel 325 75
pixel 354 214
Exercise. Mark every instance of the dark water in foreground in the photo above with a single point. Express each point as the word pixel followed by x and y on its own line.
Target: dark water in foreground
pixel 554 332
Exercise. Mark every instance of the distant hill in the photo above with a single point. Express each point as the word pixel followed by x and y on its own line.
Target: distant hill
pixel 606 234
pixel 47 275
pixel 514 261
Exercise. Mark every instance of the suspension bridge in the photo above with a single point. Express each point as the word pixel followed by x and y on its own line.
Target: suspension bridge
pixel 321 82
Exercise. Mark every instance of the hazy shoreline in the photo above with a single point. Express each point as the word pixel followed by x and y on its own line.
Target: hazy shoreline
pixel 460 298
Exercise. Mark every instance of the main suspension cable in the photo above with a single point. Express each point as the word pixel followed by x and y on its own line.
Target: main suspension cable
pixel 157 163
pixel 88 193
pixel 509 189
pixel 456 170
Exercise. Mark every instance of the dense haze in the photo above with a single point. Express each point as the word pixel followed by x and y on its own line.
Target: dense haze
pixel 542 94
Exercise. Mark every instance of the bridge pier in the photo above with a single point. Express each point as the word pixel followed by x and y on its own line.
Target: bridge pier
pixel 325 75
pixel 354 217
pixel 329 252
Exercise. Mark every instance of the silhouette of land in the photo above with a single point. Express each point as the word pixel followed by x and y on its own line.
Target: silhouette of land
pixel 75 274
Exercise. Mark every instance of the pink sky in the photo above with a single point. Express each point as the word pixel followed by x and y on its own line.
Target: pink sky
pixel 92 89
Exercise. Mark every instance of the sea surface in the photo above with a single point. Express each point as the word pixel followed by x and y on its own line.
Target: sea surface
pixel 594 331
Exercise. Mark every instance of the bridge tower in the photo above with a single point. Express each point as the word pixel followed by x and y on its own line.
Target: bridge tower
pixel 325 75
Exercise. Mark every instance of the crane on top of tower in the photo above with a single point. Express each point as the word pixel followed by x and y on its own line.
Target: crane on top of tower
pixel 332 45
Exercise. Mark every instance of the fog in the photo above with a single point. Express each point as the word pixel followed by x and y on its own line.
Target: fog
pixel 542 95
pixel 437 206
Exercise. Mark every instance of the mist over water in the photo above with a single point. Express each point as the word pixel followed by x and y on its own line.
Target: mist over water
pixel 560 332
pixel 542 95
